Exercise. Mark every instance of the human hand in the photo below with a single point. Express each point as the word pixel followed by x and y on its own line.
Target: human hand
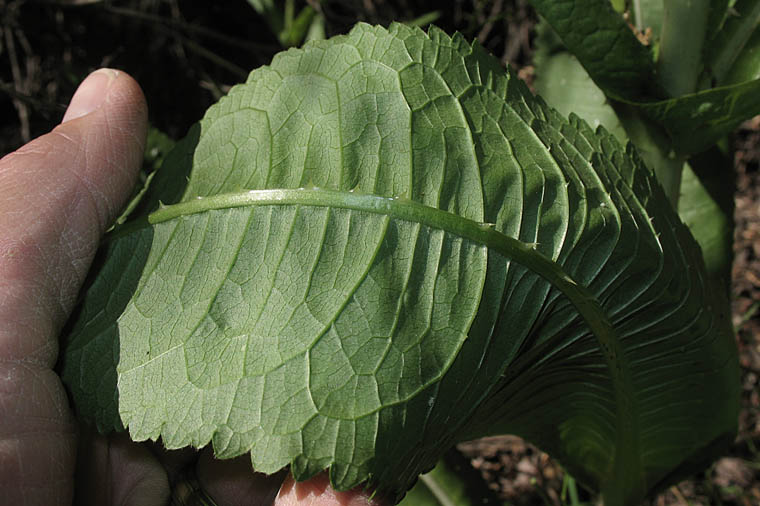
pixel 58 195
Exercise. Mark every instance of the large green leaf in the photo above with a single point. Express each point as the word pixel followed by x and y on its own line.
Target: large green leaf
pixel 385 243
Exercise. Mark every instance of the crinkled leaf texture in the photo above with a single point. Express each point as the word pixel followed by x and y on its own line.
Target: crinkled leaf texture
pixel 382 244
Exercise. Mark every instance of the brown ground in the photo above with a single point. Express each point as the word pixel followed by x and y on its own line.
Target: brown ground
pixel 195 50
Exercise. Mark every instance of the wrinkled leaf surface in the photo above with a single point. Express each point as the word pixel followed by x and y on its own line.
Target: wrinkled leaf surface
pixel 382 244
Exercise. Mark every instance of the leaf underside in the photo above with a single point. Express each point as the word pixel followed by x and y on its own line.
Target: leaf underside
pixel 381 244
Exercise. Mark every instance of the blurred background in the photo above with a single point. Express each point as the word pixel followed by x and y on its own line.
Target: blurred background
pixel 186 54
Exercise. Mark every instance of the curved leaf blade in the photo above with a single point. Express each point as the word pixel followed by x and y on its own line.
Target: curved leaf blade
pixel 385 243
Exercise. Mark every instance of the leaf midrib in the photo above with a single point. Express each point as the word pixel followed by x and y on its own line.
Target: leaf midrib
pixel 485 234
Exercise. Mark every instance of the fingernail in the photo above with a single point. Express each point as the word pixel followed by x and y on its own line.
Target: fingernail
pixel 91 94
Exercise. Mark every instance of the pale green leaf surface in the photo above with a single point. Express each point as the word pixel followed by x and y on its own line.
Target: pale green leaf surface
pixel 386 244
pixel 566 86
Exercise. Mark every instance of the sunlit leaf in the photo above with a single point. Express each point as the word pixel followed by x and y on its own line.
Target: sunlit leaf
pixel 382 244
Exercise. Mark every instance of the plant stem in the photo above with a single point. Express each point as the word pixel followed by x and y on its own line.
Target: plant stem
pixel 648 15
pixel 683 33
pixel 568 484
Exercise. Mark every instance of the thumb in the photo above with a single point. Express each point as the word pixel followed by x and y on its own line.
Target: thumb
pixel 58 194
pixel 318 492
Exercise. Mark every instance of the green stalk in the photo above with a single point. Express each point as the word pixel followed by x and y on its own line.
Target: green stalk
pixel 648 14
pixel 569 486
pixel 683 34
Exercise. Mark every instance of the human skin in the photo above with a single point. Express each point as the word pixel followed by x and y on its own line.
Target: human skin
pixel 58 195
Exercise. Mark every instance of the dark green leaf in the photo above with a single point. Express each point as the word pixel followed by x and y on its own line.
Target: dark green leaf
pixel 697 121
pixel 729 41
pixel 604 44
pixel 694 121
pixel 747 64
